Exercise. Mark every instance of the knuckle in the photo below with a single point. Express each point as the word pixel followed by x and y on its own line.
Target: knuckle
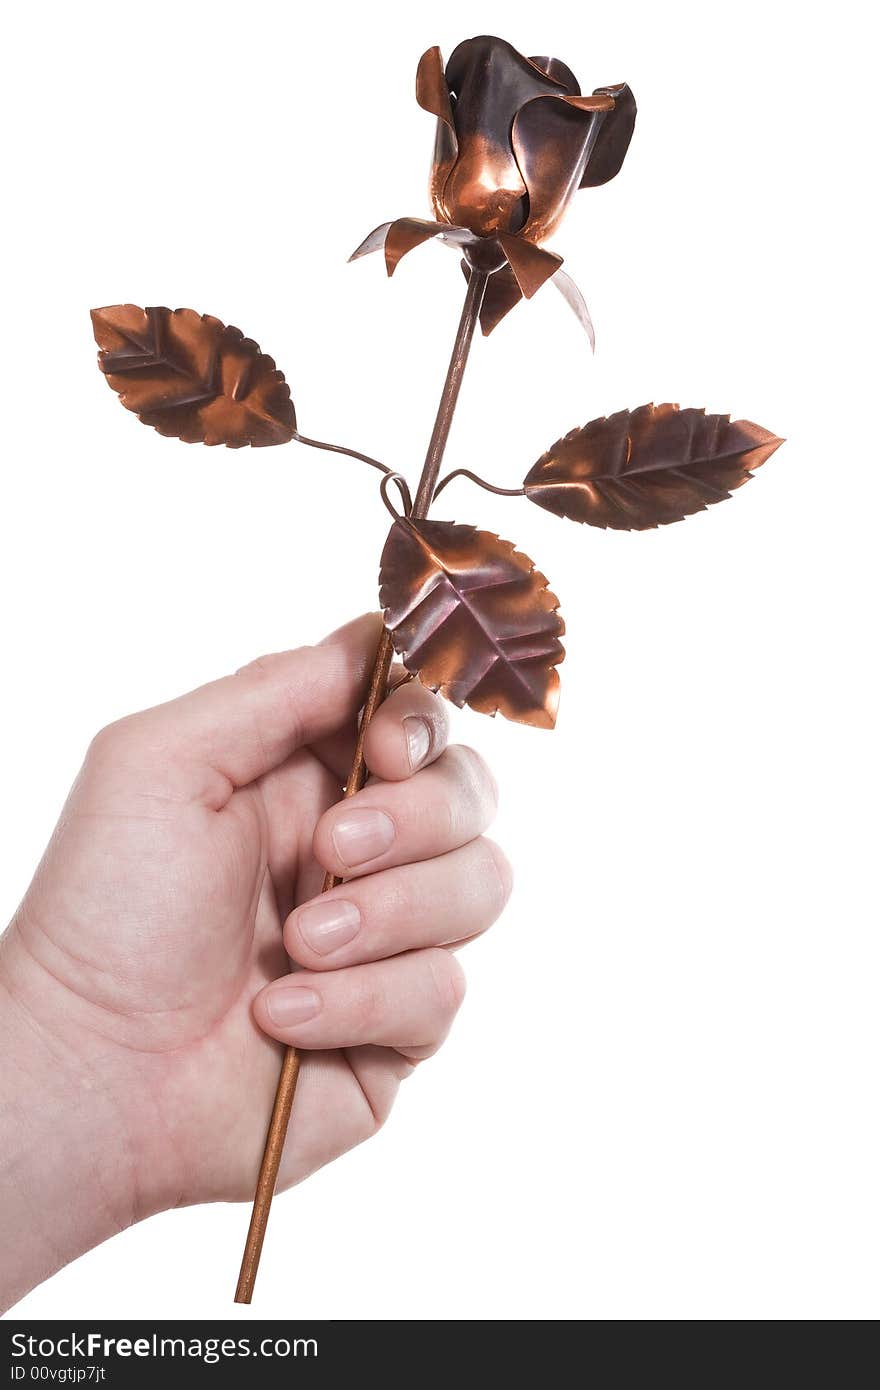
pixel 502 878
pixel 380 1102
pixel 378 1089
pixel 102 744
pixel 295 944
pixel 273 670
pixel 447 981
pixel 261 665
pixel 369 1008
pixel 107 742
pixel 286 671
pixel 436 712
pixel 372 1118
pixel 396 901
pixel 474 775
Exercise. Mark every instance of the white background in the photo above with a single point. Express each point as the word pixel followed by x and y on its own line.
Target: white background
pixel 660 1099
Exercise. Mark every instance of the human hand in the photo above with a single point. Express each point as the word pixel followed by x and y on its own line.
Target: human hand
pixel 137 1007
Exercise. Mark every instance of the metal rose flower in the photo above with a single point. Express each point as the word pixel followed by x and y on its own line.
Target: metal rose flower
pixel 514 136
pixel 515 141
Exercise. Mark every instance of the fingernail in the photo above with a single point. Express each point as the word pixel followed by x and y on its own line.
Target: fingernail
pixel 286 1007
pixel 327 926
pixel 418 739
pixel 359 836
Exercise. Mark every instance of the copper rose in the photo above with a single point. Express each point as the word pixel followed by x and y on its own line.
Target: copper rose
pixel 514 136
pixel 515 141
pixel 467 612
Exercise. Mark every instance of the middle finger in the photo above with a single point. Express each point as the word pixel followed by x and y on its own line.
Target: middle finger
pixel 442 902
pixel 437 810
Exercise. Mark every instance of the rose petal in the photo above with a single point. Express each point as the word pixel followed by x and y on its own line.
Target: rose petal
pixel 404 234
pixel 612 137
pixel 490 81
pixel 552 138
pixel 560 72
pixel 432 94
pixel 530 264
pixel 502 294
pixel 576 302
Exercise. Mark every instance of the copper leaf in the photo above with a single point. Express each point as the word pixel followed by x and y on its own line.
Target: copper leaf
pixel 647 467
pixel 473 618
pixel 192 377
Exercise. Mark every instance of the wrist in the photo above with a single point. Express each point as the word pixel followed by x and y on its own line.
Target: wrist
pixel 69 1165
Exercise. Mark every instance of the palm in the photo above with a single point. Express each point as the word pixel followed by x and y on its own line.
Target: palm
pixel 204 894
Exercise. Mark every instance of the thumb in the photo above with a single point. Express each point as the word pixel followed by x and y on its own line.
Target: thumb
pixel 243 725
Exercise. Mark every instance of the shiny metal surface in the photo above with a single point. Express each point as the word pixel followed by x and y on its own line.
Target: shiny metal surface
pixel 515 140
pixel 464 337
pixel 473 618
pixel 503 294
pixel 613 135
pixel 648 467
pixel 193 378
pixel 512 139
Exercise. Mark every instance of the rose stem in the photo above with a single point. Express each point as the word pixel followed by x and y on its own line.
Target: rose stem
pixel 281 1109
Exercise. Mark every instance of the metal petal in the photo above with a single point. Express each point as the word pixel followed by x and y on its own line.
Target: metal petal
pixel 531 265
pixel 560 72
pixel 552 139
pixel 404 234
pixel 432 94
pixel 490 81
pixel 374 242
pixel 576 302
pixel 503 294
pixel 613 135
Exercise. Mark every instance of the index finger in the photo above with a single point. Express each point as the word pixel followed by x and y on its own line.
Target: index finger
pixel 409 730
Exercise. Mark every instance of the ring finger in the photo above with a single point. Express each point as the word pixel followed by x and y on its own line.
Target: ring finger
pixel 436 903
pixel 407 1002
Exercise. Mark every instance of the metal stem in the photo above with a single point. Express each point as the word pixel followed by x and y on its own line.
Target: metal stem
pixel 272 1153
pixel 480 482
pixel 340 449
pixel 280 1117
pixel 470 316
